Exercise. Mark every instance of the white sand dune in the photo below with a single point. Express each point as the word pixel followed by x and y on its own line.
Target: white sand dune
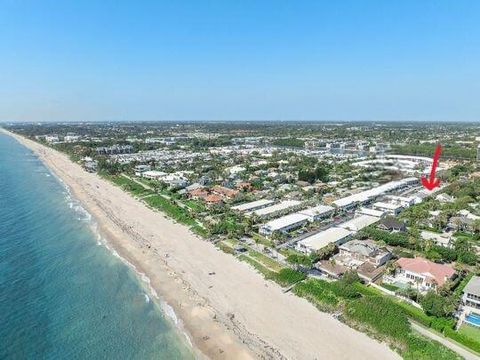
pixel 234 314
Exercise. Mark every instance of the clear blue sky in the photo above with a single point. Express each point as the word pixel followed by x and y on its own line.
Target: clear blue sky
pixel 307 60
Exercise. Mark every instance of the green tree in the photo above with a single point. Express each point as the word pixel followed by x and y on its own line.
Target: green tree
pixel 437 305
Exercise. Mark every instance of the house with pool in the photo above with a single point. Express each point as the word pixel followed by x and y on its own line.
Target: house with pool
pixel 471 302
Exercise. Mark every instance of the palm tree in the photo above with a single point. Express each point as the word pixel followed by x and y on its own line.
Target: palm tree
pixel 418 281
pixel 391 267
pixel 427 245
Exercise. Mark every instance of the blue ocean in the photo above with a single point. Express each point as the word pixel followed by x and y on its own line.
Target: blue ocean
pixel 63 293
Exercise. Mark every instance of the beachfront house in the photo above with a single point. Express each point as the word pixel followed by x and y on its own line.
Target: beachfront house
pixel 358 251
pixel 365 257
pixel 471 301
pixel 421 274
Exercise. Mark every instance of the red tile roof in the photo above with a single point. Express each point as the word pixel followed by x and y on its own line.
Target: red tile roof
pixel 224 191
pixel 213 198
pixel 200 192
pixel 432 271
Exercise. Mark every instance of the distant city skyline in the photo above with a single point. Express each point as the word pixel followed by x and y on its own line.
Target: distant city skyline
pixel 337 61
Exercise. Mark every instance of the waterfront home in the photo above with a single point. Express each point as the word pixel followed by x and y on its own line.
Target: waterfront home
pixel 471 301
pixel 361 251
pixel 420 273
pixel 471 293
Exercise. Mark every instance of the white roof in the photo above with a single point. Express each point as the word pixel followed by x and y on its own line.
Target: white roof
pixel 317 210
pixel 322 239
pixel 371 212
pixel 409 157
pixel 277 207
pixel 154 173
pixel 430 235
pixel 252 205
pixel 401 198
pixel 373 193
pixel 384 205
pixel 360 222
pixel 285 221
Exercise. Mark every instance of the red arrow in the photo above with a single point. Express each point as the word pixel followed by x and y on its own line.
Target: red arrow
pixel 432 183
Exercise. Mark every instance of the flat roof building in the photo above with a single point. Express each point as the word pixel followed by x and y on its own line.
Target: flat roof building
pixel 318 212
pixel 318 241
pixel 284 224
pixel 359 222
pixel 369 195
pixel 253 205
pixel 270 210
pixel 371 212
pixel 389 208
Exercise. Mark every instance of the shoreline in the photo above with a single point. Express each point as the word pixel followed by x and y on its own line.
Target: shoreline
pixel 144 281
pixel 235 314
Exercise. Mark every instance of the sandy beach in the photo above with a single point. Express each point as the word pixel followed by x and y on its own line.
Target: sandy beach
pixel 233 314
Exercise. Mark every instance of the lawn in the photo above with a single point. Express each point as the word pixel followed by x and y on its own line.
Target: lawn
pixel 265 260
pixel 195 205
pixel 262 240
pixel 129 185
pixel 470 331
pixel 172 210
pixel 389 287
pixel 259 267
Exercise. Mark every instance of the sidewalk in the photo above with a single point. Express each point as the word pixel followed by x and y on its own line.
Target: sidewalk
pixel 468 355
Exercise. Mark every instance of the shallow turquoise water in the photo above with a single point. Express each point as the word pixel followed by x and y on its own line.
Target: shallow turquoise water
pixel 63 295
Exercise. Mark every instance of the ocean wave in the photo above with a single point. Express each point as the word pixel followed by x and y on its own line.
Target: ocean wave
pixel 76 206
pixel 168 311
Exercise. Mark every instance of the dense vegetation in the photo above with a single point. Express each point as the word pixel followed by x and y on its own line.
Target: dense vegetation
pixel 448 150
pixel 462 250
pixel 289 142
pixel 364 308
pixel 320 173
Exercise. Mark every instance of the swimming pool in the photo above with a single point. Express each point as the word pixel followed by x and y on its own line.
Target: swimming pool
pixel 473 319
